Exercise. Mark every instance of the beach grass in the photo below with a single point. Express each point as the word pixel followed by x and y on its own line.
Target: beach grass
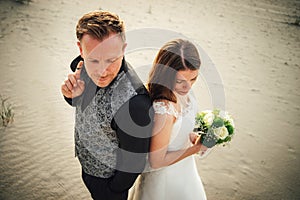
pixel 23 1
pixel 6 112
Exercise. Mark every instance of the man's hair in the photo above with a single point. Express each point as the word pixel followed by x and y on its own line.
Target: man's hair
pixel 176 55
pixel 100 24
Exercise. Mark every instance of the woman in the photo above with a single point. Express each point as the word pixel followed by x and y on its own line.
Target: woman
pixel 173 174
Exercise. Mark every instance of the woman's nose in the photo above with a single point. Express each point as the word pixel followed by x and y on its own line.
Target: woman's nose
pixel 187 85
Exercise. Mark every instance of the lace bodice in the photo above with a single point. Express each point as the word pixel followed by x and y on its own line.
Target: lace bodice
pixel 165 108
pixel 184 123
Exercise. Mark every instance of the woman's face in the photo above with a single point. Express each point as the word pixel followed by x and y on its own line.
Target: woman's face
pixel 184 81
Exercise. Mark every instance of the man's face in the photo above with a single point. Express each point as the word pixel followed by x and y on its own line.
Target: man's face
pixel 102 59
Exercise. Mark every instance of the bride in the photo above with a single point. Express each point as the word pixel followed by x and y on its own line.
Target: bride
pixel 172 174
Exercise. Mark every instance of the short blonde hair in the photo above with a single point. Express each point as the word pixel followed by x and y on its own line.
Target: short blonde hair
pixel 100 24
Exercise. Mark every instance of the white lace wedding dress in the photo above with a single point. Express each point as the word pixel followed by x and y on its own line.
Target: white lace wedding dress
pixel 181 180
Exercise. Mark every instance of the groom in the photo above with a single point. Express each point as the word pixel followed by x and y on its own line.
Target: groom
pixel 113 119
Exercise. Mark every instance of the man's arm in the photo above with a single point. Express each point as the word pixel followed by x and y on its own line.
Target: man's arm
pixel 73 87
pixel 71 101
pixel 133 124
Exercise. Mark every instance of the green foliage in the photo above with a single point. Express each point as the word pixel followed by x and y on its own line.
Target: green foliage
pixel 230 129
pixel 216 112
pixel 211 125
pixel 218 122
pixel 224 141
pixel 201 125
pixel 6 112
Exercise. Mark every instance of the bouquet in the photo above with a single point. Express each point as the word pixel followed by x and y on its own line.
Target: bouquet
pixel 215 127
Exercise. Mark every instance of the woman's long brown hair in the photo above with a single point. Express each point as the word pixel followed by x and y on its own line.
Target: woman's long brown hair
pixel 174 56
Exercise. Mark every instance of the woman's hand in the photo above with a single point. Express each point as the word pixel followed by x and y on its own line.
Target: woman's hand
pixel 194 137
pixel 195 140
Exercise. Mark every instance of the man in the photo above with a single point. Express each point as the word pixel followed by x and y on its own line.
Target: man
pixel 113 110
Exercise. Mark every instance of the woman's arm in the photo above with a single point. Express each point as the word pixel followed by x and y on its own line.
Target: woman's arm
pixel 159 154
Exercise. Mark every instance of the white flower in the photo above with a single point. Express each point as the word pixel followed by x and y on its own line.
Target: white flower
pixel 208 118
pixel 227 117
pixel 223 114
pixel 221 132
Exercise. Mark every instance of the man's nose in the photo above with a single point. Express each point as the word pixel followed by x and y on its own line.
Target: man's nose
pixel 102 68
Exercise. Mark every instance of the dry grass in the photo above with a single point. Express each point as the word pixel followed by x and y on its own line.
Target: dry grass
pixel 23 1
pixel 6 112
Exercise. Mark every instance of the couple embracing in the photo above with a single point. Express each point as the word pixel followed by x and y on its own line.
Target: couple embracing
pixel 128 135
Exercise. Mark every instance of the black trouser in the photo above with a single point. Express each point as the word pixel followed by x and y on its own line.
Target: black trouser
pixel 99 189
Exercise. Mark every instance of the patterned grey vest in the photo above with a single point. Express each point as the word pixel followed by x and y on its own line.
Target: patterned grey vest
pixel 95 141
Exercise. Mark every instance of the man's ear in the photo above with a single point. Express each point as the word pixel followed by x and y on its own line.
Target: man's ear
pixel 124 47
pixel 80 48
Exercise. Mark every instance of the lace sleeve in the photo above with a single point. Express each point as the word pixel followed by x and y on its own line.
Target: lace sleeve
pixel 164 108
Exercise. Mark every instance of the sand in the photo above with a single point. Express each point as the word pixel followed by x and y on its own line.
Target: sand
pixel 254 46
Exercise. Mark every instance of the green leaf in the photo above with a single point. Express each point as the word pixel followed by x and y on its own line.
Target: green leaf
pixel 230 129
pixel 218 122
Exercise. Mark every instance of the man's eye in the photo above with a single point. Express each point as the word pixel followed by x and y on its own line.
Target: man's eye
pixel 112 61
pixel 179 81
pixel 94 61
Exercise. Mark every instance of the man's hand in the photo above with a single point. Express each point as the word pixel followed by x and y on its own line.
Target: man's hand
pixel 73 87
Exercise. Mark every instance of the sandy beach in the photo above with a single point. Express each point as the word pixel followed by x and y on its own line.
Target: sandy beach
pixel 254 45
